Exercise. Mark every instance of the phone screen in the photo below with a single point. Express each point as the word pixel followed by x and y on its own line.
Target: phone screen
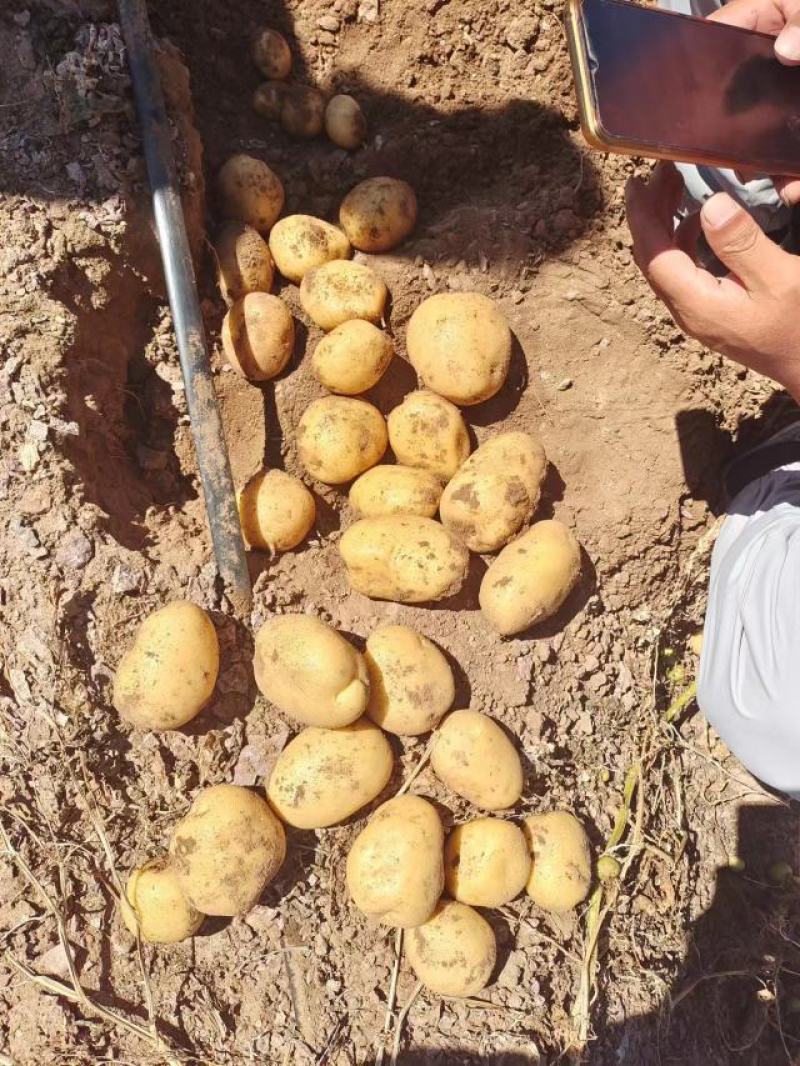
pixel 691 87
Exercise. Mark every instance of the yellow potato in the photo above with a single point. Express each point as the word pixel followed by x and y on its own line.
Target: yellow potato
pixel 352 358
pixel 411 684
pixel 378 214
pixel 454 952
pixel 387 490
pixel 155 905
pixel 474 757
pixel 168 674
pixel 268 99
pixel 530 578
pixel 459 344
pixel 271 54
pixel 243 262
pixel 302 111
pixel 339 291
pixel 276 510
pixel 250 192
pixel 258 336
pixel 394 869
pixel 300 242
pixel 310 672
pixel 339 438
pixel 325 775
pixel 403 558
pixel 561 875
pixel 495 491
pixel 486 862
pixel 428 431
pixel 226 850
pixel 345 124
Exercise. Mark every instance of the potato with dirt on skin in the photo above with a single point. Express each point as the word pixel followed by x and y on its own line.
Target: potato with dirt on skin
pixel 244 263
pixel 411 685
pixel 250 192
pixel 339 291
pixel 394 868
pixel 378 214
pixel 226 850
pixel 299 243
pixel 272 55
pixel 530 578
pixel 168 674
pixel 310 672
pixel 339 438
pixel 258 336
pixel 323 776
pixel 404 490
pixel 276 511
pixel 427 431
pixel 302 112
pixel 345 124
pixel 156 908
pixel 454 952
pixel 561 871
pixel 486 862
pixel 352 357
pixel 474 757
pixel 268 99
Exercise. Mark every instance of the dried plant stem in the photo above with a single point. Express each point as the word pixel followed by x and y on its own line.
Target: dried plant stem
pixel 401 1020
pixel 391 998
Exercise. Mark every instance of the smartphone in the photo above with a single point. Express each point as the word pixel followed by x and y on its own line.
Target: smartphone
pixel 661 85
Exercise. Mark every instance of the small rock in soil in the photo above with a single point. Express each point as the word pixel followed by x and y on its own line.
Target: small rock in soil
pixel 75 551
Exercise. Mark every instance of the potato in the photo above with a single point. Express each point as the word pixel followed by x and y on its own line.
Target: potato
pixel 268 99
pixel 454 952
pixel 168 674
pixel 345 124
pixel 530 578
pixel 243 262
pixel 271 54
pixel 276 510
pixel 258 336
pixel 459 344
pixel 155 906
pixel 495 491
pixel 226 850
pixel 310 672
pixel 302 111
pixel 339 438
pixel 339 291
pixel 428 431
pixel 250 192
pixel 394 869
pixel 386 490
pixel 486 862
pixel 352 358
pixel 411 684
pixel 300 242
pixel 378 214
pixel 561 874
pixel 325 775
pixel 403 558
pixel 474 757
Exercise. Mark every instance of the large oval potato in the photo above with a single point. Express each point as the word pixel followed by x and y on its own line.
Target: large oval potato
pixel 561 874
pixel 394 869
pixel 155 906
pixel 339 438
pixel 454 952
pixel 250 192
pixel 243 262
pixel 386 490
pixel 474 757
pixel 378 214
pixel 344 122
pixel 271 54
pixel 403 558
pixel 411 684
pixel 310 671
pixel 486 862
pixel 427 431
pixel 530 578
pixel 302 111
pixel 226 850
pixel 338 291
pixel 352 358
pixel 168 674
pixel 268 99
pixel 459 344
pixel 276 511
pixel 258 336
pixel 299 243
pixel 325 775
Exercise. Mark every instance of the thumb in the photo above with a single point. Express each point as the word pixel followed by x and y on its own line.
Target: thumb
pixel 739 242
pixel 787 43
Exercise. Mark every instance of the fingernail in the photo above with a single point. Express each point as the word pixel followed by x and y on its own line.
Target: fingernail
pixel 719 210
pixel 787 44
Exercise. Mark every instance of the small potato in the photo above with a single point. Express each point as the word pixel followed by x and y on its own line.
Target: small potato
pixel 411 684
pixel 244 264
pixel 378 214
pixel 474 757
pixel 454 952
pixel 394 869
pixel 386 490
pixel 250 192
pixel 303 112
pixel 226 850
pixel 352 358
pixel 310 672
pixel 339 291
pixel 530 578
pixel 486 862
pixel 325 775
pixel 155 905
pixel 428 431
pixel 276 511
pixel 271 54
pixel 258 336
pixel 268 99
pixel 403 558
pixel 339 438
pixel 345 124
pixel 168 674
pixel 300 242
pixel 561 874
pixel 459 344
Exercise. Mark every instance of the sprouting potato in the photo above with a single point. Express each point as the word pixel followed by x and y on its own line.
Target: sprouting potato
pixel 486 862
pixel 561 874
pixel 271 54
pixel 268 99
pixel 250 192
pixel 258 336
pixel 474 757
pixel 411 684
pixel 155 905
pixel 378 214
pixel 427 431
pixel 404 490
pixel 339 291
pixel 454 952
pixel 345 124
pixel 352 358
pixel 302 111
pixel 276 511
pixel 339 438
pixel 243 262
pixel 299 243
